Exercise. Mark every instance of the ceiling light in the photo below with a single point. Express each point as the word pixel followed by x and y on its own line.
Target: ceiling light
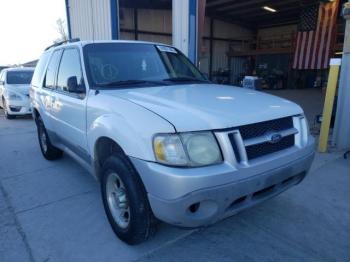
pixel 267 8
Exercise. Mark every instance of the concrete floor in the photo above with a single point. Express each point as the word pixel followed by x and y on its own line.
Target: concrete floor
pixel 52 211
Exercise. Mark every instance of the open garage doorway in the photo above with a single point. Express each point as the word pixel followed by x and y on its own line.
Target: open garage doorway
pixel 283 46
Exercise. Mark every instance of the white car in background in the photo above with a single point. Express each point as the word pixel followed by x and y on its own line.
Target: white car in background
pixel 14 91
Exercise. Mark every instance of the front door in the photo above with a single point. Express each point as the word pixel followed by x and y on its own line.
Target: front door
pixel 69 108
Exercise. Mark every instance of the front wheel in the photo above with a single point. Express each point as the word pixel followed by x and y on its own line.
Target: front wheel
pixel 49 151
pixel 125 201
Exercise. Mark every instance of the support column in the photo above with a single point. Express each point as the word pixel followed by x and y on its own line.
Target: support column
pixel 115 19
pixel 185 27
pixel 68 20
pixel 341 136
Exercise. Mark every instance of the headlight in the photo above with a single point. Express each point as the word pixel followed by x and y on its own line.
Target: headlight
pixel 13 96
pixel 169 150
pixel 187 149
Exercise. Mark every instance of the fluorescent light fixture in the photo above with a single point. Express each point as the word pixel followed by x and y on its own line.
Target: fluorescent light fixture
pixel 267 8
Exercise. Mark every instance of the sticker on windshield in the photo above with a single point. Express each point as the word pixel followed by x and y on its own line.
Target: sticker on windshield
pixel 164 48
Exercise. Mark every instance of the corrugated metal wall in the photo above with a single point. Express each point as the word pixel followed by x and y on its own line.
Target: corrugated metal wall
pixel 149 20
pixel 221 30
pixel 90 19
pixel 237 69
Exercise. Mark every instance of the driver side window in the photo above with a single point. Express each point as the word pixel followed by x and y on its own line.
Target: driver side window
pixel 69 68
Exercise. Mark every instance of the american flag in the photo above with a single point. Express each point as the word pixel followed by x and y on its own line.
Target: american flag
pixel 315 37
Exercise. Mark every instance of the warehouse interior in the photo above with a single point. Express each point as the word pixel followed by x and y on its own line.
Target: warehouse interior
pixel 243 38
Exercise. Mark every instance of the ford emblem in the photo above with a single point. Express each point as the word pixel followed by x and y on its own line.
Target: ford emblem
pixel 275 138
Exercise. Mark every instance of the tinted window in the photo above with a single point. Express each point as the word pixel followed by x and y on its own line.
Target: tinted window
pixel 69 67
pixel 19 77
pixel 51 70
pixel 39 70
pixel 107 63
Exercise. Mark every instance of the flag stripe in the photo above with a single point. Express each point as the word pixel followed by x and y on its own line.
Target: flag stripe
pixel 308 50
pixel 301 53
pixel 318 40
pixel 296 52
pixel 307 36
pixel 324 28
pixel 329 36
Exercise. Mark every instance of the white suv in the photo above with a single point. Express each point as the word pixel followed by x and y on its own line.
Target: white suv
pixel 163 141
pixel 14 91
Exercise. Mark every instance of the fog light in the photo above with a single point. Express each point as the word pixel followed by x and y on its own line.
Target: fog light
pixel 194 207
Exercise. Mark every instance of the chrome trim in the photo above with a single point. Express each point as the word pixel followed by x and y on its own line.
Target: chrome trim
pixel 266 138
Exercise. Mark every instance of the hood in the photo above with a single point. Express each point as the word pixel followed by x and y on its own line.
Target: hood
pixel 21 89
pixel 208 106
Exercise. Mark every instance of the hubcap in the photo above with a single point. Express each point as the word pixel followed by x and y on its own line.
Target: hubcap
pixel 117 200
pixel 43 139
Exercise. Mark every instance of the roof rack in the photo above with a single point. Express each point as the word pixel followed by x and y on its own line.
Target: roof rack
pixel 63 42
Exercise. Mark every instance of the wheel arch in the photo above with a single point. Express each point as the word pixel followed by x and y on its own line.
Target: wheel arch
pixel 104 147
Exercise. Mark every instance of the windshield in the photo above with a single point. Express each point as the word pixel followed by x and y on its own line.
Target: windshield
pixel 19 77
pixel 116 64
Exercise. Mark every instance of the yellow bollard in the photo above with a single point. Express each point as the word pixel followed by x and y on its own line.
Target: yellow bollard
pixel 328 104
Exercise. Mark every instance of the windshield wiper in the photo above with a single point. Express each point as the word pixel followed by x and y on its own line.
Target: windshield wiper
pixel 130 83
pixel 186 79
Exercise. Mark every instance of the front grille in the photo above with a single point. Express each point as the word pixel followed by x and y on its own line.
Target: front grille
pixel 263 149
pixel 260 129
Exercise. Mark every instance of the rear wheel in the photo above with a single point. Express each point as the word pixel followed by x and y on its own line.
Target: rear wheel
pixel 7 115
pixel 49 151
pixel 125 201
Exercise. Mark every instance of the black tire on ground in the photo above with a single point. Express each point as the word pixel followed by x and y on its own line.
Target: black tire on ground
pixel 141 224
pixel 5 111
pixel 49 151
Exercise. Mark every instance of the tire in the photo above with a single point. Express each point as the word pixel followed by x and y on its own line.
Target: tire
pixel 123 190
pixel 49 151
pixel 7 115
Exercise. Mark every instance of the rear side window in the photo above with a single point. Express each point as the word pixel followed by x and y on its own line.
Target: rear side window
pixel 39 70
pixel 51 70
pixel 69 67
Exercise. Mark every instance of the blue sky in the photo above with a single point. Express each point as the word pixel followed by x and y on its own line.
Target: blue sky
pixel 27 27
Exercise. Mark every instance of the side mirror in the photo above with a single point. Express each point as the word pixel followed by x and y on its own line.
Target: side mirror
pixel 2 83
pixel 73 86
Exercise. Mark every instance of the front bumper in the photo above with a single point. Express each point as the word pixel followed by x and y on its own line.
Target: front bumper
pixel 201 196
pixel 19 107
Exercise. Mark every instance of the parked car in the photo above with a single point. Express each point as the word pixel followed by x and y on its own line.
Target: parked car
pixel 14 91
pixel 163 141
